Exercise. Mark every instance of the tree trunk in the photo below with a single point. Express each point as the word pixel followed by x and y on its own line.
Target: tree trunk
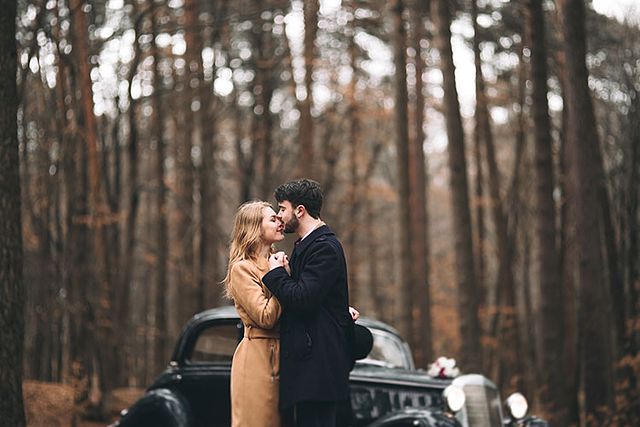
pixel 632 196
pixel 479 204
pixel 161 348
pixel 549 315
pixel 209 274
pixel 402 165
pixel 353 191
pixel 65 174
pixel 105 356
pixel 419 223
pixel 122 315
pixel 627 389
pixel 263 90
pixel 567 253
pixel 186 290
pixel 468 301
pixel 306 129
pixel 482 295
pixel 595 358
pixel 11 284
pixel 517 198
pixel 199 94
pixel 506 322
pixel 76 252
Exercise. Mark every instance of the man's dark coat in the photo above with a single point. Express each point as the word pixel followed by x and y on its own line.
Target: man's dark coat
pixel 315 326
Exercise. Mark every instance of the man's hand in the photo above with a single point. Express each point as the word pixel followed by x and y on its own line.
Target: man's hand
pixel 355 314
pixel 277 260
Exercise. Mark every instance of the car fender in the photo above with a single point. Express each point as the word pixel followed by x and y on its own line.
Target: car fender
pixel 417 417
pixel 159 407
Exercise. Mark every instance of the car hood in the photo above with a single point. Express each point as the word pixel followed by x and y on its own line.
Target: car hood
pixel 363 372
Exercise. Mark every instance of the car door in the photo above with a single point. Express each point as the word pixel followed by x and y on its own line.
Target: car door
pixel 206 371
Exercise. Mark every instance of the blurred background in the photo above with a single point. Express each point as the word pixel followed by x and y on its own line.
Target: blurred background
pixel 480 161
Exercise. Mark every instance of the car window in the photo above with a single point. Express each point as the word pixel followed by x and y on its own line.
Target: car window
pixel 388 350
pixel 216 344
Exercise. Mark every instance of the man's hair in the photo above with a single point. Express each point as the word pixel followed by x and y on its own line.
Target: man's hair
pixel 305 192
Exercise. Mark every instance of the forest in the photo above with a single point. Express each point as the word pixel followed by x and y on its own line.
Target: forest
pixel 480 161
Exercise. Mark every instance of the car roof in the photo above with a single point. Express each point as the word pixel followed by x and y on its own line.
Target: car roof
pixel 377 324
pixel 229 312
pixel 222 312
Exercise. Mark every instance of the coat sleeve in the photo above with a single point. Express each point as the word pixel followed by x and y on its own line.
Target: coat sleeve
pixel 321 271
pixel 246 289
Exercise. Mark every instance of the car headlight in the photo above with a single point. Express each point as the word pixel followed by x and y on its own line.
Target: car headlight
pixel 517 405
pixel 455 398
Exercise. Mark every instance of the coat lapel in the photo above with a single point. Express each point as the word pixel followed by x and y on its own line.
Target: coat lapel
pixel 304 244
pixel 301 246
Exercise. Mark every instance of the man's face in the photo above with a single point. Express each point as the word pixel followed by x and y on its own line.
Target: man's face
pixel 286 213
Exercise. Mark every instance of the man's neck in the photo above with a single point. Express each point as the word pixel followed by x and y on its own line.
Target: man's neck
pixel 307 226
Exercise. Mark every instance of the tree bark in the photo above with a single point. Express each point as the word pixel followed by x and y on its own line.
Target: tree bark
pixel 263 92
pixel 161 347
pixel 187 287
pixel 517 200
pixel 198 91
pixel 483 302
pixel 98 215
pixel 402 165
pixel 208 182
pixel 506 322
pixel 306 129
pixel 627 386
pixel 65 174
pixel 595 358
pixel 419 223
pixel 124 285
pixel 549 315
pixel 354 189
pixel 468 301
pixel 11 284
pixel 632 197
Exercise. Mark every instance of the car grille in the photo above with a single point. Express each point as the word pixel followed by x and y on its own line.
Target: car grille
pixel 482 406
pixel 369 401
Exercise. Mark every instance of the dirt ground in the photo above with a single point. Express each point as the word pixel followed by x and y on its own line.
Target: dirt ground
pixel 51 404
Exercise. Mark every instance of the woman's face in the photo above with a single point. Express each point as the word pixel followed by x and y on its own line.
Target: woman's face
pixel 272 226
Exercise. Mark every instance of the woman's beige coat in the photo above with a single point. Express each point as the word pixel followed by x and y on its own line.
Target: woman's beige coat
pixel 256 361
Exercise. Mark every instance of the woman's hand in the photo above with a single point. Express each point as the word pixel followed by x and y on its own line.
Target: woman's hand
pixel 355 314
pixel 278 260
pixel 286 264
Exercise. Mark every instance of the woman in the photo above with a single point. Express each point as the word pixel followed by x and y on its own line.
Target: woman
pixel 255 366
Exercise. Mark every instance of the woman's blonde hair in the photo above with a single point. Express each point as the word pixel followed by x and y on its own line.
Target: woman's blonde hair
pixel 246 236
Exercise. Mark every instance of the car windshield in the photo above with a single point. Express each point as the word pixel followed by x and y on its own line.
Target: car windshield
pixel 388 351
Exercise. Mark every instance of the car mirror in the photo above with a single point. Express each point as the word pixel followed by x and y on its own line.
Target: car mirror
pixel 362 342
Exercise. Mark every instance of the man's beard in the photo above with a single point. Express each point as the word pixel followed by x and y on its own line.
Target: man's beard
pixel 292 225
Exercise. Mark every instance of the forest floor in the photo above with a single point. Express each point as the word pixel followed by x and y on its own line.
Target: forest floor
pixel 51 404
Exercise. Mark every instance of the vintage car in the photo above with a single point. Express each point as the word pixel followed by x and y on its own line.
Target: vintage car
pixel 386 389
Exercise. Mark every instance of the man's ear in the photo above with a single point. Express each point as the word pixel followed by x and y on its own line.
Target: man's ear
pixel 300 210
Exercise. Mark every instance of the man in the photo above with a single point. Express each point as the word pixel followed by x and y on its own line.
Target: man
pixel 315 328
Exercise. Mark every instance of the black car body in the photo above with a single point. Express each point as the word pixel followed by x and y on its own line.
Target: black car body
pixel 386 389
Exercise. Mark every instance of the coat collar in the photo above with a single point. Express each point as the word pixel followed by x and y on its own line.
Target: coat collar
pixel 301 245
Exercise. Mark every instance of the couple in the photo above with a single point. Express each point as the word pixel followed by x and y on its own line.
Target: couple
pixel 292 366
